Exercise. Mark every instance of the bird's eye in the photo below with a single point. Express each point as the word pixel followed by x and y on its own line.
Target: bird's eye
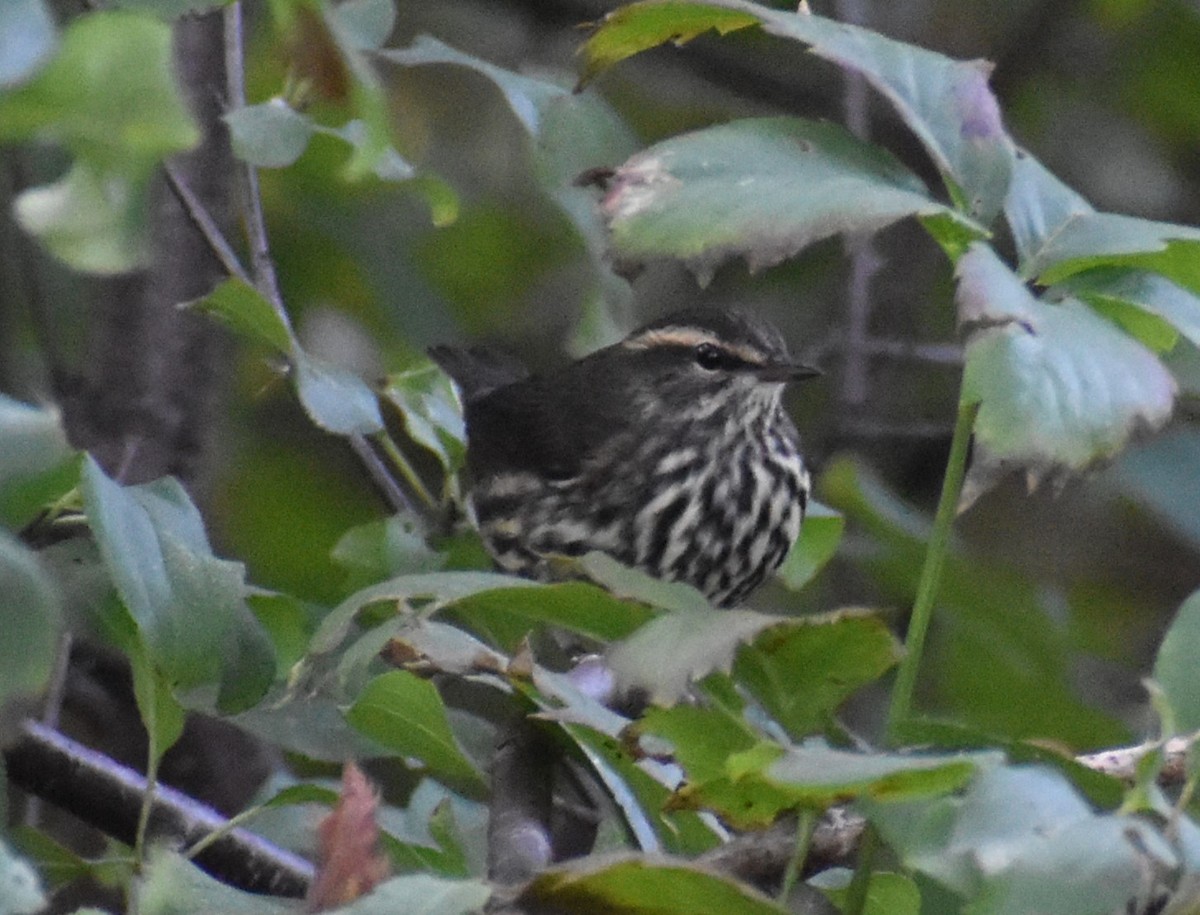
pixel 709 357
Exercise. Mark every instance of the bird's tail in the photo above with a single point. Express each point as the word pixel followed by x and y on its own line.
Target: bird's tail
pixel 477 370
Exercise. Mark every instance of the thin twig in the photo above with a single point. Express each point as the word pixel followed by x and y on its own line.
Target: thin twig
pixel 206 225
pixel 265 278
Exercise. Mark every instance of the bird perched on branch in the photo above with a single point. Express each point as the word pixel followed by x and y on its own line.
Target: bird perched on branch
pixel 670 451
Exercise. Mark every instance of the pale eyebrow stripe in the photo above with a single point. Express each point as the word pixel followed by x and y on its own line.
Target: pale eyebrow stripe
pixel 688 338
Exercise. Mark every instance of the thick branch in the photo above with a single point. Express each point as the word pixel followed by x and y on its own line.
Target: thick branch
pixel 107 795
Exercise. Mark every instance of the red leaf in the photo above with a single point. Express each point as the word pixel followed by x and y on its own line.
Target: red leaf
pixel 350 863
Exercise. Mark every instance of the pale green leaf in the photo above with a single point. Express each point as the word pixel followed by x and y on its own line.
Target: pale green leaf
pixel 1058 386
pixel 334 398
pixel 759 188
pixel 946 103
pixel 20 889
pixel 432 416
pixel 27 39
pixel 30 618
pixel 1175 666
pixel 269 135
pixel 32 440
pixel 91 222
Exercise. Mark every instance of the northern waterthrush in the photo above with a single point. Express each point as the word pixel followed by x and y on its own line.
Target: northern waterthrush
pixel 669 451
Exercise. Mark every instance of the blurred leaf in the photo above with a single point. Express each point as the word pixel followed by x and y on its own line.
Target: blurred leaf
pixel 1059 234
pixel 1021 840
pixel 172 885
pixel 575 606
pixel 634 585
pixel 431 591
pixel 1175 666
pixel 91 222
pixel 1000 658
pixel 819 539
pixel 1147 293
pixel 946 103
pixel 334 398
pixel 364 24
pixel 170 9
pixel 27 39
pixel 109 96
pixel 248 313
pixel 161 713
pixel 761 188
pixel 887 893
pixel 1154 474
pixel 702 739
pixel 20 888
pixel 666 655
pixel 642 885
pixel 432 415
pixel 405 713
pixel 371 153
pixel 1059 387
pixel 423 894
pixel 188 605
pixel 31 440
pixel 270 135
pixel 30 618
pixel 384 548
pixel 816 775
pixel 802 670
pixel 349 862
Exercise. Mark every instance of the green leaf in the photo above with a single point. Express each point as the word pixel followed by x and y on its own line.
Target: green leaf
pixel 761 188
pixel 819 539
pixel 666 655
pixel 186 602
pixel 170 9
pixel 109 96
pixel 422 894
pixel 334 398
pixel 1059 234
pixel 248 313
pixel 30 618
pixel 372 153
pixel 642 884
pixel 432 416
pixel 1175 666
pixel 817 775
pixel 946 103
pixel 32 440
pixel 269 135
pixel 802 670
pixel 161 714
pixel 1058 386
pixel 27 39
pixel 384 548
pixel 20 888
pixel 364 24
pixel 640 26
pixel 1021 840
pixel 1156 299
pixel 575 606
pixel 405 714
pixel 887 893
pixel 91 222
pixel 172 885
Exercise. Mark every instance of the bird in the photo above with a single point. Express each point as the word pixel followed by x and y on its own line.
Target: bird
pixel 670 451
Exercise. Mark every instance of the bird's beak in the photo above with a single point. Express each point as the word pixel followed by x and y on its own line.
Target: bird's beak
pixel 785 372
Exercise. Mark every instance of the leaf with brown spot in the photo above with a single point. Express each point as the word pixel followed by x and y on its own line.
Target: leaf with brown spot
pixel 350 862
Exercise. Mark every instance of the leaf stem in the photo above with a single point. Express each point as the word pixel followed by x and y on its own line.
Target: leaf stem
pixel 931 573
pixel 406 470
pixel 860 883
pixel 795 867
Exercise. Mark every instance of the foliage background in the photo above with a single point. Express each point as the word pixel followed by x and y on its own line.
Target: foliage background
pixel 1056 600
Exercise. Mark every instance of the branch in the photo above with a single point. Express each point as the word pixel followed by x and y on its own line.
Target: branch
pixel 108 796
